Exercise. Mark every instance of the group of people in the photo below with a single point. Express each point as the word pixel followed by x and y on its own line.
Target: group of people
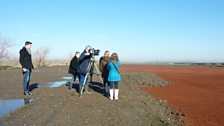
pixel 108 65
pixel 79 68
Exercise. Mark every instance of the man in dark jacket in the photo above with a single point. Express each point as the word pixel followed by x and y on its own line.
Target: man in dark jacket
pixel 25 60
pixel 84 61
pixel 73 67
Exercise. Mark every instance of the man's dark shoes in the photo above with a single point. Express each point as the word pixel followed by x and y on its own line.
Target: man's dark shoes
pixel 28 93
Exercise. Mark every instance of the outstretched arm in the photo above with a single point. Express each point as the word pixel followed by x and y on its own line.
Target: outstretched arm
pixel 83 56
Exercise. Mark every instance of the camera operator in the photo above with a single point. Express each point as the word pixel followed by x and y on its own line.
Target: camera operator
pixel 84 61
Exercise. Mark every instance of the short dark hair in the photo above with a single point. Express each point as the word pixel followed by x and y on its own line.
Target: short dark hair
pixel 28 43
pixel 77 52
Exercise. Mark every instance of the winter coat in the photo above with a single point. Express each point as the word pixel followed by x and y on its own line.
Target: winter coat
pixel 103 66
pixel 25 59
pixel 114 75
pixel 73 67
pixel 83 63
pixel 103 62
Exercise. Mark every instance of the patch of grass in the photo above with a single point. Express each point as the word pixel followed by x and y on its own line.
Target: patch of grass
pixel 4 67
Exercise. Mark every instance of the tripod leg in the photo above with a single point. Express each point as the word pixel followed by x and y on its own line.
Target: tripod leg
pixel 103 81
pixel 85 79
pixel 98 72
pixel 84 83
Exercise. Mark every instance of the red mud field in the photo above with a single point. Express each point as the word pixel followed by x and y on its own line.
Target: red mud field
pixel 196 91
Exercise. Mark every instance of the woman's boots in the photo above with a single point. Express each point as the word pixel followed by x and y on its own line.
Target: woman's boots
pixel 111 94
pixel 114 94
pixel 116 91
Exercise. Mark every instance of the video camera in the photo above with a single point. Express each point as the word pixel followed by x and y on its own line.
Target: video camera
pixel 94 52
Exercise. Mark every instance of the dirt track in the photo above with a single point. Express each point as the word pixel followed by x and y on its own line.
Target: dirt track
pixel 197 91
pixel 62 107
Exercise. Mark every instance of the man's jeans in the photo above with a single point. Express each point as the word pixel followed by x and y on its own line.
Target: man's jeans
pixel 81 82
pixel 74 76
pixel 26 80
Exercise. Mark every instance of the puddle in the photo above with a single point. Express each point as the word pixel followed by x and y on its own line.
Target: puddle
pixel 53 84
pixel 67 78
pixel 57 84
pixel 7 106
pixel 64 81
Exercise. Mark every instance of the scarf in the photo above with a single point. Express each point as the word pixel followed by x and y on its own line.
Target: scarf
pixel 106 58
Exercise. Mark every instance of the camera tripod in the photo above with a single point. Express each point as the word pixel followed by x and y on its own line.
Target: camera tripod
pixel 91 67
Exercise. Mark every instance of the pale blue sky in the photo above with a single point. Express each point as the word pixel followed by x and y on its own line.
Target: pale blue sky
pixel 138 30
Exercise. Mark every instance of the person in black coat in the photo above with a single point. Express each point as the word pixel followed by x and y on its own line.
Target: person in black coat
pixel 25 60
pixel 73 67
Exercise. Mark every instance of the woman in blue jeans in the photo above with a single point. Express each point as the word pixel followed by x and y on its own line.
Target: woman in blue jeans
pixel 114 76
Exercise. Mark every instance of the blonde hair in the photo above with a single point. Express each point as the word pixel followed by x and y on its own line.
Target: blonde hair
pixel 114 57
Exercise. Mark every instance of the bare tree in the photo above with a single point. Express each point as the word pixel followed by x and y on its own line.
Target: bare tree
pixel 40 56
pixel 5 43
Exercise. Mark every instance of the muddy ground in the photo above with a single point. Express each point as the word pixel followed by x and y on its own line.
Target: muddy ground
pixel 63 107
pixel 195 90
